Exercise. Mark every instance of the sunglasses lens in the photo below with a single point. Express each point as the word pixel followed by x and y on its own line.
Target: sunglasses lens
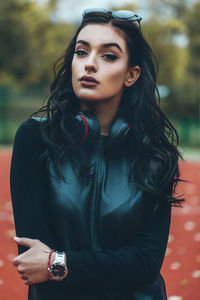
pixel 90 10
pixel 123 14
pixel 126 14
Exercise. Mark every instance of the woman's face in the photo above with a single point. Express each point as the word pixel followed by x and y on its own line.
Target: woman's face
pixel 101 56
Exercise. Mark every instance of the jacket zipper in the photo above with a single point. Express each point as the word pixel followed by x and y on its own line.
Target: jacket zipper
pixel 97 182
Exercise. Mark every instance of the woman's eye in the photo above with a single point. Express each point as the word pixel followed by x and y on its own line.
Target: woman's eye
pixel 110 56
pixel 80 52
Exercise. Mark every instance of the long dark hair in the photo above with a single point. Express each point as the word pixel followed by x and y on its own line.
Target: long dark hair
pixel 155 166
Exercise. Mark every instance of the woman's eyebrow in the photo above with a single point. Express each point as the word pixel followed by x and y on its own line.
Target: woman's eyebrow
pixel 107 45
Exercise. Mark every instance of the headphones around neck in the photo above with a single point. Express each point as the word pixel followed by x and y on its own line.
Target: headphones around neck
pixel 86 127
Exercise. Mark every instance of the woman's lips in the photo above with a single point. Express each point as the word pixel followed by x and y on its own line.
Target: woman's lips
pixel 88 83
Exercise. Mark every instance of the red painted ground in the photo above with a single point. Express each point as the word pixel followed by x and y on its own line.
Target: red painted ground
pixel 181 268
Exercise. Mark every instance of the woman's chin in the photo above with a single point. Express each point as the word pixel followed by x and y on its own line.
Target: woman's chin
pixel 89 98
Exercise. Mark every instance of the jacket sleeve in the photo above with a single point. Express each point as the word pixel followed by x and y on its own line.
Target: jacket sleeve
pixel 28 186
pixel 128 266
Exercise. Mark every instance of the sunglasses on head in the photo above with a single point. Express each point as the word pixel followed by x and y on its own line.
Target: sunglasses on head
pixel 125 15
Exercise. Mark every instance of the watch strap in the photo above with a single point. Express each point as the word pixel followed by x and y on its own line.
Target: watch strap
pixel 59 259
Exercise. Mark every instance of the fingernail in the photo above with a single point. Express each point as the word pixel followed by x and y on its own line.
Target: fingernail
pixel 16 239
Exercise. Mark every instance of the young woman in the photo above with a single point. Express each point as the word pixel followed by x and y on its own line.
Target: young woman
pixel 92 182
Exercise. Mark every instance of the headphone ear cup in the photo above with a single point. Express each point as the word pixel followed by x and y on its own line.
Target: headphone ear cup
pixel 120 129
pixel 86 126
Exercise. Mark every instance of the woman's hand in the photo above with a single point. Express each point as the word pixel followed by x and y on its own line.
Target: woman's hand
pixel 32 265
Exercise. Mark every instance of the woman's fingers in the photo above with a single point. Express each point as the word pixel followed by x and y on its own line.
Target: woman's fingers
pixel 20 270
pixel 17 260
pixel 24 277
pixel 23 241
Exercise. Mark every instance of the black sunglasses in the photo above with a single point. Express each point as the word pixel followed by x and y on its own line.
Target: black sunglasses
pixel 125 15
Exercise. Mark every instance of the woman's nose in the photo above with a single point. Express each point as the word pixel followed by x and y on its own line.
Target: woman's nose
pixel 90 65
pixel 90 68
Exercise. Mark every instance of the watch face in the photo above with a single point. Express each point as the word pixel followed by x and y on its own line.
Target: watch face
pixel 58 270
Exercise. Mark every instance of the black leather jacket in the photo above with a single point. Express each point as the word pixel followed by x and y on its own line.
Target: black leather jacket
pixel 115 243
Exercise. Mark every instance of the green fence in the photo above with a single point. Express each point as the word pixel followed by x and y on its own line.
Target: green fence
pixel 16 105
pixel 189 132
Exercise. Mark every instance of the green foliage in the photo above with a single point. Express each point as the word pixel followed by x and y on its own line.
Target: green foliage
pixel 171 58
pixel 30 40
pixel 131 7
pixel 193 33
pixel 179 64
pixel 175 8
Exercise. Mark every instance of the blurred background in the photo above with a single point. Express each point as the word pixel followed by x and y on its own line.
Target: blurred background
pixel 33 35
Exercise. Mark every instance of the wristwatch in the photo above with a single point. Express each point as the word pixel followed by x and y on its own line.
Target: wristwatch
pixel 58 269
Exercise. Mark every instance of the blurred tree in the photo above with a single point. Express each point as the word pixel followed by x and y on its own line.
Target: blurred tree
pixel 131 7
pixel 171 58
pixel 175 41
pixel 193 32
pixel 52 4
pixel 174 8
pixel 193 68
pixel 15 47
pixel 30 40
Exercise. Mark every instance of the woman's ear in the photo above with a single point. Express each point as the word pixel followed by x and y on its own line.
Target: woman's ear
pixel 132 75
